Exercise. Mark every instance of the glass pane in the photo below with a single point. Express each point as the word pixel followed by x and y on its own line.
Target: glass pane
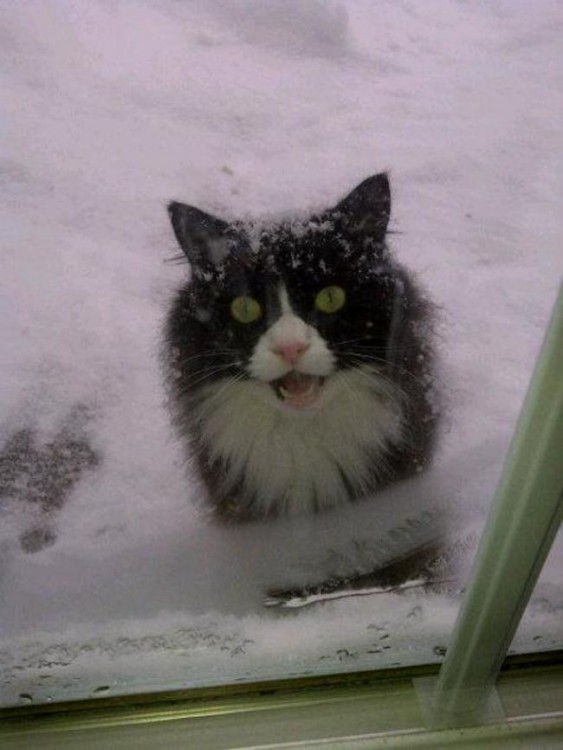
pixel 116 576
pixel 540 628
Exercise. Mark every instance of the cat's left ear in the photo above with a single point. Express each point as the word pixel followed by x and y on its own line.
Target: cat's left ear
pixel 200 235
pixel 366 210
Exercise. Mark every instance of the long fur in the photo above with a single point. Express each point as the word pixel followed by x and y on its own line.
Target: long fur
pixel 375 418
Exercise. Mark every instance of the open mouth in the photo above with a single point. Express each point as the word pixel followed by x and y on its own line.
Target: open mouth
pixel 297 389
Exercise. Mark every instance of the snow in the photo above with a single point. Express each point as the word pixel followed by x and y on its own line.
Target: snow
pixel 249 109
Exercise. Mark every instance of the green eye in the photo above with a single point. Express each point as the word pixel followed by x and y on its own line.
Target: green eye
pixel 330 299
pixel 245 309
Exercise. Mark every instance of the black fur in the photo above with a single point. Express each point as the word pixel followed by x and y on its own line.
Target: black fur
pixel 386 316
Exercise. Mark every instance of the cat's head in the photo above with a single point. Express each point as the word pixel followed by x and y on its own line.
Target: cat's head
pixel 289 304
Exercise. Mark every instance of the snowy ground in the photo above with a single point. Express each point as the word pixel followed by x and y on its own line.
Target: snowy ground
pixel 112 109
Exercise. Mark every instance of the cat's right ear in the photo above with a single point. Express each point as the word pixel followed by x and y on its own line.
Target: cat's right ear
pixel 200 235
pixel 366 210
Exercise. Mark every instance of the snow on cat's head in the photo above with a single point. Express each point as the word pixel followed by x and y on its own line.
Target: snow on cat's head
pixel 290 300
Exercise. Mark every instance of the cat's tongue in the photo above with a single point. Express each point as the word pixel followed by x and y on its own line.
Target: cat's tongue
pixel 299 390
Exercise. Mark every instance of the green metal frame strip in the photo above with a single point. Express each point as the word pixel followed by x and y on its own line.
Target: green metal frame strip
pixel 378 713
pixel 525 516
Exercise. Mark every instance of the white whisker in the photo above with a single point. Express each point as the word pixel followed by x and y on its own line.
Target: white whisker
pixel 203 375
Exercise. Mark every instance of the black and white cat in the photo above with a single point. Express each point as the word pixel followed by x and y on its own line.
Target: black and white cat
pixel 299 358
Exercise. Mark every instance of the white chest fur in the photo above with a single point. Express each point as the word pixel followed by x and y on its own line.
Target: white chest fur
pixel 299 461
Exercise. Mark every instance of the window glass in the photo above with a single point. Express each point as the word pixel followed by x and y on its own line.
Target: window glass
pixel 116 575
pixel 540 628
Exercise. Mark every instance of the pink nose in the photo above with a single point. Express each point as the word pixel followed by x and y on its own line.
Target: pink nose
pixel 291 351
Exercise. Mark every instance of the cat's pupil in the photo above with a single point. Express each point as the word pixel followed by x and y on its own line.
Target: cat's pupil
pixel 330 299
pixel 245 309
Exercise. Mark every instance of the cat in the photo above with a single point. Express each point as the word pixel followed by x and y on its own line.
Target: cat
pixel 299 358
